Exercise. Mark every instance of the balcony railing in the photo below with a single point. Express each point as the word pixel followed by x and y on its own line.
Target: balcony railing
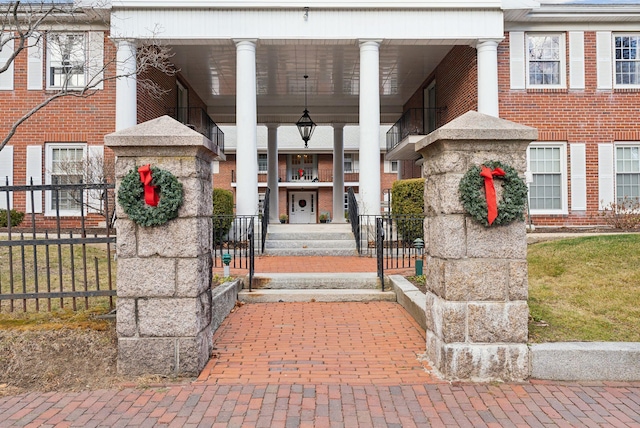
pixel 199 120
pixel 415 121
pixel 307 175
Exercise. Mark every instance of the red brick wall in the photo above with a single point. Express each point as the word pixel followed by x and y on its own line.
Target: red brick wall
pixel 68 119
pixel 588 116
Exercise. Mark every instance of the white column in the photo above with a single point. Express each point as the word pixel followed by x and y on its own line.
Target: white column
pixel 272 171
pixel 246 124
pixel 370 127
pixel 488 77
pixel 338 173
pixel 126 96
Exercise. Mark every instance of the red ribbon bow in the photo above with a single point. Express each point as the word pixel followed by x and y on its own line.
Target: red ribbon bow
pixel 301 172
pixel 490 191
pixel 151 195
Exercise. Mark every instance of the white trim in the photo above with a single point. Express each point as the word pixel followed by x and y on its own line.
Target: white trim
pixel 517 61
pixel 34 173
pixel 576 60
pixel 563 61
pixel 6 171
pixel 578 176
pixel 215 167
pixel 85 63
pixel 563 176
pixel 35 70
pixel 604 60
pixel 6 78
pixel 606 175
pixel 615 163
pixel 49 211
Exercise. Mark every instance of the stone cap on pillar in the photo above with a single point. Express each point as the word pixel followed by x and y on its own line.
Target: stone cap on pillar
pixel 474 126
pixel 166 136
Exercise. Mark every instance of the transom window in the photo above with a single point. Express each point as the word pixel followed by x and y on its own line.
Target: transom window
pixel 627 59
pixel 66 60
pixel 545 60
pixel 627 173
pixel 547 192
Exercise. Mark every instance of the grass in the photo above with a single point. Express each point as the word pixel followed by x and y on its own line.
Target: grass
pixel 585 289
pixel 64 273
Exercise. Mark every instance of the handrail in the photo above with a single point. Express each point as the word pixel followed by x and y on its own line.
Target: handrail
pixel 354 218
pixel 198 119
pixel 412 122
pixel 265 218
pixel 252 255
pixel 380 250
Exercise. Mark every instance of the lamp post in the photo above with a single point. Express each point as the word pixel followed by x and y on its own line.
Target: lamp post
pixel 418 244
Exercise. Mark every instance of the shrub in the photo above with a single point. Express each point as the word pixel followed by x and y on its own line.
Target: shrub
pixel 222 213
pixel 407 207
pixel 16 218
pixel 624 214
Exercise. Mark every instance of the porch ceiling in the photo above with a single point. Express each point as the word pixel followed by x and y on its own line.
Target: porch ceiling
pixel 333 67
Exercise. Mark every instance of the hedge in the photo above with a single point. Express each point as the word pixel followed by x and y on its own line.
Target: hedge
pixel 16 218
pixel 407 200
pixel 222 213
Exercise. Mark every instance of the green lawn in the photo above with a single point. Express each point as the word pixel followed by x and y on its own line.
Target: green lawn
pixel 585 289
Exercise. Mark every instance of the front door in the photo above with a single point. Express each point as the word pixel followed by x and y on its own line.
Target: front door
pixel 302 207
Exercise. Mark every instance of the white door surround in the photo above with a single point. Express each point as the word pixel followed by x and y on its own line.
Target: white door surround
pixel 303 207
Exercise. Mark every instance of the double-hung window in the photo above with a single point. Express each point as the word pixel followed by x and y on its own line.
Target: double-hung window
pixel 548 166
pixel 65 165
pixel 627 173
pixel 66 60
pixel 262 163
pixel 545 55
pixel 627 59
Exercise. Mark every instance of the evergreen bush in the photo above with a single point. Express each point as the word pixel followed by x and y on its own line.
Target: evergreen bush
pixel 222 213
pixel 407 208
pixel 16 218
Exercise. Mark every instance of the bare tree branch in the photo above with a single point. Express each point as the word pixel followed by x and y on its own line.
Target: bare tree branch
pixel 24 25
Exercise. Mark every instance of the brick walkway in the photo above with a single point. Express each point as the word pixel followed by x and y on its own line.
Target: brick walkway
pixel 318 343
pixel 327 365
pixel 328 355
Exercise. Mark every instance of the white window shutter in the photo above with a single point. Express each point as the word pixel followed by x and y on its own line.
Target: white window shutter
pixel 387 166
pixel 356 162
pixel 606 181
pixel 576 59
pixel 6 171
pixel 6 78
pixel 34 171
pixel 578 177
pixel 517 60
pixel 603 56
pixel 34 64
pixel 215 167
pixel 95 59
pixel 96 164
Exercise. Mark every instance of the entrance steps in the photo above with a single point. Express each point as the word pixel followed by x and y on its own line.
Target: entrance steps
pixel 310 240
pixel 315 287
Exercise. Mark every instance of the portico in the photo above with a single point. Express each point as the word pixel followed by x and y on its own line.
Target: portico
pixel 246 61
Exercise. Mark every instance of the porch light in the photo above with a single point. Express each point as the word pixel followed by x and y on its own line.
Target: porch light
pixel 305 124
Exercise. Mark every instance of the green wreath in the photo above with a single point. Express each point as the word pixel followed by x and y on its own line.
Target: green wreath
pixel 514 195
pixel 131 197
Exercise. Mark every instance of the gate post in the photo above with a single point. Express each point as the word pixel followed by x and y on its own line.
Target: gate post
pixel 477 287
pixel 164 272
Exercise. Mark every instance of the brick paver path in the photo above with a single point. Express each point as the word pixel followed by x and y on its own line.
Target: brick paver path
pixel 338 343
pixel 415 400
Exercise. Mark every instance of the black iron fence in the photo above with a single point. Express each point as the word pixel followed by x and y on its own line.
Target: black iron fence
pixel 198 119
pixel 265 217
pixel 354 218
pixel 415 121
pixel 397 248
pixel 380 250
pixel 62 267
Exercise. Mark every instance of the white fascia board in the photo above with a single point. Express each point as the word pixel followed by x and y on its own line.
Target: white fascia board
pixel 325 24
pixel 297 4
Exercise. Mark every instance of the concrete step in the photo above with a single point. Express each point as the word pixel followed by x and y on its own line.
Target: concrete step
pixel 317 281
pixel 310 252
pixel 329 295
pixel 310 236
pixel 304 243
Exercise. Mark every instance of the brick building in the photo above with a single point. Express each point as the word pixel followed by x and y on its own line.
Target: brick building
pixel 381 76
